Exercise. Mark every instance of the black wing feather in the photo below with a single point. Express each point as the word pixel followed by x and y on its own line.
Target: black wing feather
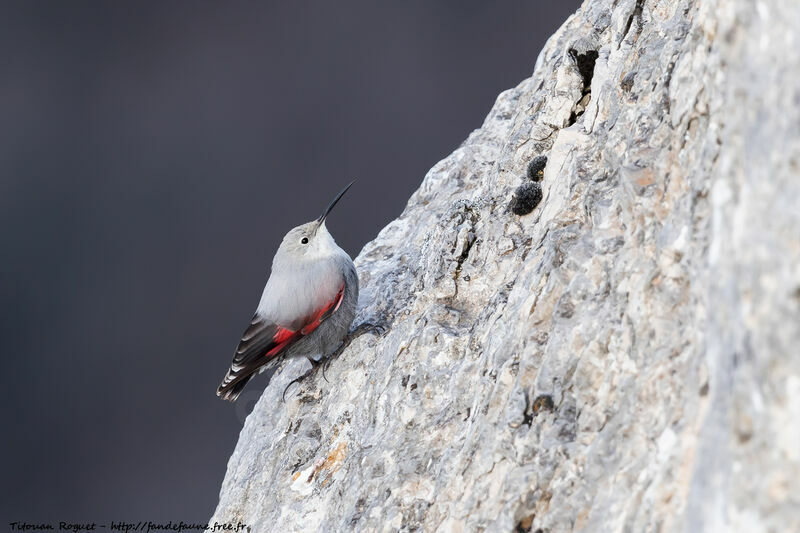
pixel 263 341
pixel 257 340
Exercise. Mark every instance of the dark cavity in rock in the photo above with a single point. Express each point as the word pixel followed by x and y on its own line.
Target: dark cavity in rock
pixel 627 82
pixel 585 63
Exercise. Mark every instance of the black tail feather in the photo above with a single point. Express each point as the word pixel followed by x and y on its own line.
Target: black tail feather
pixel 231 390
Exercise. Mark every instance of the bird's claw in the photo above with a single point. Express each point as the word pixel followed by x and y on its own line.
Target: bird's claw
pixel 295 380
pixel 365 327
pixel 314 365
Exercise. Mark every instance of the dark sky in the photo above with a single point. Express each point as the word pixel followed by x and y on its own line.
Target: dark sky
pixel 152 155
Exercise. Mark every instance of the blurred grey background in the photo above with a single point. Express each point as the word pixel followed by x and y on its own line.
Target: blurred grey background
pixel 152 155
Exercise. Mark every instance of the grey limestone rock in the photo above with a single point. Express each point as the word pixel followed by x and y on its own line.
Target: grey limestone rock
pixel 626 357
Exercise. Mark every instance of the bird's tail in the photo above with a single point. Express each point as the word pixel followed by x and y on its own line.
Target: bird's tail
pixel 232 386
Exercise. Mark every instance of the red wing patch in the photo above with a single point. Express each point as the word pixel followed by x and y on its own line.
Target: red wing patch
pixel 264 340
pixel 282 338
pixel 318 316
pixel 282 334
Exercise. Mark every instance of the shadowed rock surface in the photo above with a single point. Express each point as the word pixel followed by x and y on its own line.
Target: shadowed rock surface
pixel 626 357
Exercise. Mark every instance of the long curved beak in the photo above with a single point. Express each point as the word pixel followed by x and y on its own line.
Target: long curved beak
pixel 324 214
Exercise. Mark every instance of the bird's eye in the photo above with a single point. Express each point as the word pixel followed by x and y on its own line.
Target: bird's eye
pixel 305 240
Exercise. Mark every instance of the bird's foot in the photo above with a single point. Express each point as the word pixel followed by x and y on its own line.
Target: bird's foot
pixel 364 327
pixel 356 332
pixel 314 365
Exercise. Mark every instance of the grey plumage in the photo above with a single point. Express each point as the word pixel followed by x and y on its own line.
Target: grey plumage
pixel 306 309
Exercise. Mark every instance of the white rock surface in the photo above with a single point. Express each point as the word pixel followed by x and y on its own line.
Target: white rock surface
pixel 624 358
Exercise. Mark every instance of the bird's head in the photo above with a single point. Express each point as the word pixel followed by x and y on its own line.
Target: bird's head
pixel 310 240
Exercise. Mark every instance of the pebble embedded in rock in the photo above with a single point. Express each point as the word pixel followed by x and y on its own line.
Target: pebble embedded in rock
pixel 542 402
pixel 536 167
pixel 526 198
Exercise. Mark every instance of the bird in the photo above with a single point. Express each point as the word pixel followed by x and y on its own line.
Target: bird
pixel 306 308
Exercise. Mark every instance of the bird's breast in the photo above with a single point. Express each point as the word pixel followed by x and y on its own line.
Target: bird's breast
pixel 293 294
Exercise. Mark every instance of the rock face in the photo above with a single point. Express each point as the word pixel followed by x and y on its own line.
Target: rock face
pixel 625 357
